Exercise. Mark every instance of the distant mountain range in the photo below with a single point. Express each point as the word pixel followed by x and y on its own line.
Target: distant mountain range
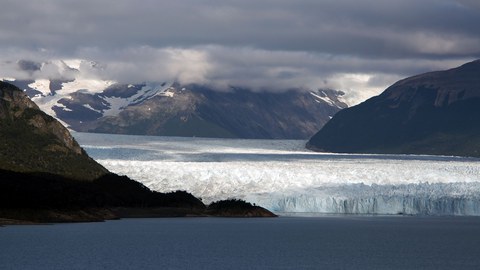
pixel 433 113
pixel 239 113
pixel 171 109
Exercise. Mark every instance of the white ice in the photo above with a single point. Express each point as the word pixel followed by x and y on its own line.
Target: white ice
pixel 326 99
pixel 147 91
pixel 47 101
pixel 284 177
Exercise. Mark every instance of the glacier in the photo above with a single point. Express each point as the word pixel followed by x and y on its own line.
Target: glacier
pixel 283 177
pixel 406 199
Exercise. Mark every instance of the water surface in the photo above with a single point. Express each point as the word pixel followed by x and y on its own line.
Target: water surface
pixel 332 242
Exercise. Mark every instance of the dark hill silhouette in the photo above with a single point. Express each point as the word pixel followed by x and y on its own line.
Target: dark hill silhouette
pixel 434 113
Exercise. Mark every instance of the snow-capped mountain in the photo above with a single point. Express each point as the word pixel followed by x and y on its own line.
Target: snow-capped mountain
pixel 169 108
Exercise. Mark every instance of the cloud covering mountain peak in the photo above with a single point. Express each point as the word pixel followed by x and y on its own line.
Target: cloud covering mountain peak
pixel 358 46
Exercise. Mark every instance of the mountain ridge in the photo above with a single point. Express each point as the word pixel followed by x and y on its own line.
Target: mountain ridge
pixel 199 111
pixel 174 109
pixel 432 113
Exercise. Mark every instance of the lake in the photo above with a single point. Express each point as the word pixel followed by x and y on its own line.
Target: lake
pixel 327 242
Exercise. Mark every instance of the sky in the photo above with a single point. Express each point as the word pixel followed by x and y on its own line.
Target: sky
pixel 358 46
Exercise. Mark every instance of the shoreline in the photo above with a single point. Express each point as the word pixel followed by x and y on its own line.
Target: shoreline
pixel 52 216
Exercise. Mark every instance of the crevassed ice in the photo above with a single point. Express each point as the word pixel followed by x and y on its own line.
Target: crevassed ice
pixel 412 199
pixel 283 177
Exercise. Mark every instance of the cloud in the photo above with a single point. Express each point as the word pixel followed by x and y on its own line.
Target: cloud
pixel 138 64
pixel 28 65
pixel 360 46
pixel 223 67
pixel 339 27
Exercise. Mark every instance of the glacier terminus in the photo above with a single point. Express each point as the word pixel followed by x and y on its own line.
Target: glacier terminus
pixel 283 177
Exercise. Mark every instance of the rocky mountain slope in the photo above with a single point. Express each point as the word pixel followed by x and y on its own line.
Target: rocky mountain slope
pixel 32 141
pixel 171 109
pixel 239 113
pixel 434 113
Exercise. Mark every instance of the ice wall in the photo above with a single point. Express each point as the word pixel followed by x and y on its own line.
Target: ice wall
pixel 412 199
pixel 283 177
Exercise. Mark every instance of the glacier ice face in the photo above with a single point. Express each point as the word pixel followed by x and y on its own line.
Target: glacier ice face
pixel 284 177
pixel 410 199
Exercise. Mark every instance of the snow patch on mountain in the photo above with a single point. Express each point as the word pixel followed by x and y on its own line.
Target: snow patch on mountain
pixel 326 99
pixel 47 102
pixel 48 94
pixel 42 85
pixel 91 108
pixel 64 108
pixel 74 63
pixel 321 96
pixel 117 104
pixel 48 99
pixel 88 85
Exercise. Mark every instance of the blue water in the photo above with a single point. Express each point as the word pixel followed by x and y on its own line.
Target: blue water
pixel 335 242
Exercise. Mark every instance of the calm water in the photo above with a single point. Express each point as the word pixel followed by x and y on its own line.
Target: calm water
pixel 337 242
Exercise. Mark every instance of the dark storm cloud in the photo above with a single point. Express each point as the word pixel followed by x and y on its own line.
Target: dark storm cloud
pixel 367 27
pixel 259 43
pixel 28 65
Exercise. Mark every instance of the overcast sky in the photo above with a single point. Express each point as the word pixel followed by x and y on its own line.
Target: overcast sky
pixel 360 46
